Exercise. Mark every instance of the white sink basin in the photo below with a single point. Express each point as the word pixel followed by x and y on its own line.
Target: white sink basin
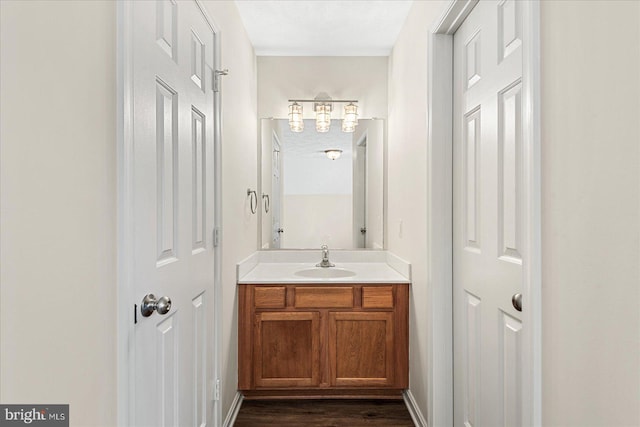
pixel 325 273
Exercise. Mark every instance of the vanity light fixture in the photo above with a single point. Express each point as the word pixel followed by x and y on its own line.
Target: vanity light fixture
pixel 350 120
pixel 322 107
pixel 296 123
pixel 333 153
pixel 323 117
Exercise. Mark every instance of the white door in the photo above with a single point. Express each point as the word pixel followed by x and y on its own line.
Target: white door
pixel 374 210
pixel 360 194
pixel 276 190
pixel 173 177
pixel 487 235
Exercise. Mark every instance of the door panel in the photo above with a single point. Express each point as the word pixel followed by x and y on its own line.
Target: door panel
pixel 510 172
pixel 470 171
pixel 509 27
pixel 167 369
pixel 172 174
pixel 487 235
pixel 201 332
pixel 471 354
pixel 199 184
pixel 166 168
pixel 511 369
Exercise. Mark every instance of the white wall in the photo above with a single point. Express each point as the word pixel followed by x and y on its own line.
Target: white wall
pixel 58 207
pixel 314 220
pixel 239 172
pixel 590 213
pixel 315 173
pixel 281 78
pixel 317 199
pixel 407 178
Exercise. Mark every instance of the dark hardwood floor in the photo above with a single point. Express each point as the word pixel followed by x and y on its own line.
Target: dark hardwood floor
pixel 325 413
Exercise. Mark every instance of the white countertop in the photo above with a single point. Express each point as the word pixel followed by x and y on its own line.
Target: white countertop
pixel 272 267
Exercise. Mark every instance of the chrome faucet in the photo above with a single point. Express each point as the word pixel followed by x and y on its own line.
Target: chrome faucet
pixel 325 258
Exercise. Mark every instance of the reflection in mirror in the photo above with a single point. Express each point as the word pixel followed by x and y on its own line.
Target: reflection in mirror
pixel 309 198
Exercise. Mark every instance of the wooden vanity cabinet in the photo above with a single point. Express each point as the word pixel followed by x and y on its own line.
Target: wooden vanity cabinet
pixel 323 340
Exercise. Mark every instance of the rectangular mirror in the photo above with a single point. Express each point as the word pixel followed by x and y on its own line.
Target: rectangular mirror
pixel 309 199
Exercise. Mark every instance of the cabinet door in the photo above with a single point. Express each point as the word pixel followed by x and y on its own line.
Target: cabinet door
pixel 287 349
pixel 361 349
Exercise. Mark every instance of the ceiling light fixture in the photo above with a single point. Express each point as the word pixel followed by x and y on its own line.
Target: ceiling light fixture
pixel 322 107
pixel 333 153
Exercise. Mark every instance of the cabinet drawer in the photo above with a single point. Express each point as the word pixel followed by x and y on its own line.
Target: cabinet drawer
pixel 377 297
pixel 270 296
pixel 324 297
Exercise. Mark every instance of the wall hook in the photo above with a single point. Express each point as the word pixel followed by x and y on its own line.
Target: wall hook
pixel 254 200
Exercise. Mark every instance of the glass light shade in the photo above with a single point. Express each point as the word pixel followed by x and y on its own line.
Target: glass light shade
pixel 333 153
pixel 323 117
pixel 348 126
pixel 350 120
pixel 296 123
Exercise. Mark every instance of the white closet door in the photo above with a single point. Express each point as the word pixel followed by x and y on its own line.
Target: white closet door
pixel 173 177
pixel 487 239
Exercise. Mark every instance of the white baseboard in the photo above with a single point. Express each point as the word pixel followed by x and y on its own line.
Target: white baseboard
pixel 414 410
pixel 233 410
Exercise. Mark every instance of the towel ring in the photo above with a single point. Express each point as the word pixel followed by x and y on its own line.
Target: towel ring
pixel 253 200
pixel 267 202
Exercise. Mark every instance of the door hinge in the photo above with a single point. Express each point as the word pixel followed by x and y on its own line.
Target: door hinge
pixel 216 78
pixel 216 390
pixel 216 237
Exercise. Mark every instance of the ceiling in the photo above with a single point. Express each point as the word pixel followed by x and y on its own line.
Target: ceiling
pixel 323 28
